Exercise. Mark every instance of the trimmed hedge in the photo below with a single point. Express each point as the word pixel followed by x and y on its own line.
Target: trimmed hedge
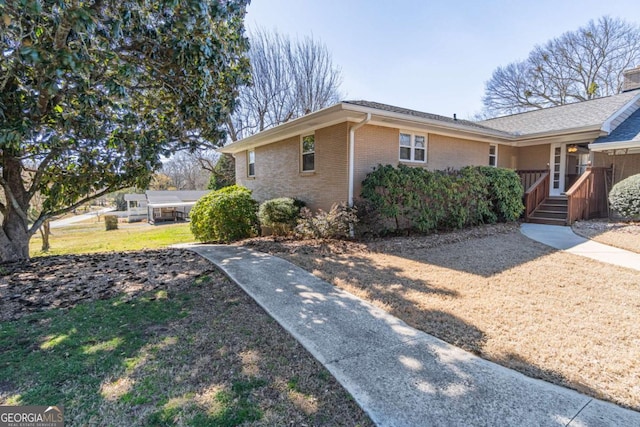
pixel 415 199
pixel 226 215
pixel 280 215
pixel 624 197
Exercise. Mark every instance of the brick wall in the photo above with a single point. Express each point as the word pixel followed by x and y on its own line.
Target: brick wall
pixel 376 145
pixel 534 157
pixel 278 172
pixel 508 157
pixel 447 152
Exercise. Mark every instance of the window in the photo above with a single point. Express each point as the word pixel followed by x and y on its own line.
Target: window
pixel 413 148
pixel 251 160
pixel 493 155
pixel 308 153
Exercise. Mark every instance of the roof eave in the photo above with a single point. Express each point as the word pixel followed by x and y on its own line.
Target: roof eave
pixel 344 112
pixel 408 119
pixel 617 145
pixel 606 126
pixel 581 134
pixel 307 123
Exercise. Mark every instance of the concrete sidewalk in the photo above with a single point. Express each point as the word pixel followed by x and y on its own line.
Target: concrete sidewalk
pixel 563 238
pixel 401 376
pixel 79 218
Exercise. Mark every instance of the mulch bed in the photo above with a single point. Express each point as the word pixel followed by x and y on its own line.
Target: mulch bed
pixel 64 281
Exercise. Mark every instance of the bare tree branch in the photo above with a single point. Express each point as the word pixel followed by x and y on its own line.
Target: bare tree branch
pixel 576 66
pixel 289 79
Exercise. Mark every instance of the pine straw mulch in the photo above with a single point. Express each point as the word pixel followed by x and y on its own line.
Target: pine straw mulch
pixel 623 235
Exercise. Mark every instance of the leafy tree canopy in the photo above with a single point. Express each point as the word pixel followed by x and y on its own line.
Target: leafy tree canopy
pixel 93 93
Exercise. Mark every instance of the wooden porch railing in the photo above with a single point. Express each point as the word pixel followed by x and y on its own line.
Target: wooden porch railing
pixel 530 176
pixel 587 198
pixel 535 194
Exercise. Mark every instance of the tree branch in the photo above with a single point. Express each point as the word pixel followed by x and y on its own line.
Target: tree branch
pixel 44 215
pixel 40 172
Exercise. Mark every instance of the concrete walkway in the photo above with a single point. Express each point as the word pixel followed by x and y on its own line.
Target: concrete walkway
pixel 563 238
pixel 79 218
pixel 397 374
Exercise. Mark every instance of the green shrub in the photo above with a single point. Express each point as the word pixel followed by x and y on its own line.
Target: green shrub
pixel 625 197
pixel 335 224
pixel 280 215
pixel 418 199
pixel 226 215
pixel 505 192
pixel 111 222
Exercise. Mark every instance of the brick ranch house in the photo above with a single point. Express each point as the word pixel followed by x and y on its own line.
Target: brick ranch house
pixel 568 157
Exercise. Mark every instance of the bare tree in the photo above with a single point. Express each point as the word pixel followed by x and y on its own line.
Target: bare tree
pixel 577 66
pixel 186 171
pixel 289 79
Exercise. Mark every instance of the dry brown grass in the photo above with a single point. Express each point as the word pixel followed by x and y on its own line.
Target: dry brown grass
pixel 623 235
pixel 551 315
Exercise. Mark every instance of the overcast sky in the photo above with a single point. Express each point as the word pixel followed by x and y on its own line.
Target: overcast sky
pixel 429 55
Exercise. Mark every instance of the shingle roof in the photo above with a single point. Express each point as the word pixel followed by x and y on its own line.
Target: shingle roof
pixel 414 113
pixel 174 196
pixel 580 114
pixel 629 130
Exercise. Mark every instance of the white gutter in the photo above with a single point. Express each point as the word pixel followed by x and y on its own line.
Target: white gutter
pixel 352 152
pixel 618 145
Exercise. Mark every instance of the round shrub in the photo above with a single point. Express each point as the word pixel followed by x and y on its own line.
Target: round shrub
pixel 625 197
pixel 225 215
pixel 280 215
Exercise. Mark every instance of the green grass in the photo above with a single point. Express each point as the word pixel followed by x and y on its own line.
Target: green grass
pixel 194 352
pixel 63 358
pixel 92 237
pixel 59 357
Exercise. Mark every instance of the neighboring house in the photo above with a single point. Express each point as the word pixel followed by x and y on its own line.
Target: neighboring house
pixel 171 205
pixel 567 156
pixel 136 207
pixel 158 206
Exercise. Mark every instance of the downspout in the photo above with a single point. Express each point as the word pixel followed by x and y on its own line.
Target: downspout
pixel 352 151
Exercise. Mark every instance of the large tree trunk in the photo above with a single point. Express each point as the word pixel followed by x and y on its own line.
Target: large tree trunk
pixel 14 243
pixel 14 234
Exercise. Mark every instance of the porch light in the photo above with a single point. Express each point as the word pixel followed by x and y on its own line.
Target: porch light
pixel 572 149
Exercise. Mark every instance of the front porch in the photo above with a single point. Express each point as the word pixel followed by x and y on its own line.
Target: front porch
pixel 546 203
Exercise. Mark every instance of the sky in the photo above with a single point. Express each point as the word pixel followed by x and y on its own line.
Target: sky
pixel 430 55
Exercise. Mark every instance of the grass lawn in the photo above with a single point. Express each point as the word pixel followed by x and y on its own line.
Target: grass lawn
pixel 91 237
pixel 155 338
pixel 551 315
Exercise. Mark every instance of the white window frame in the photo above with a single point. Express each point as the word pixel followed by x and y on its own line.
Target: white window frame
pixel 494 156
pixel 303 153
pixel 413 147
pixel 251 161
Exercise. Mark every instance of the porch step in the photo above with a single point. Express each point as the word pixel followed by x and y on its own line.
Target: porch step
pixel 553 211
pixel 547 221
pixel 545 213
